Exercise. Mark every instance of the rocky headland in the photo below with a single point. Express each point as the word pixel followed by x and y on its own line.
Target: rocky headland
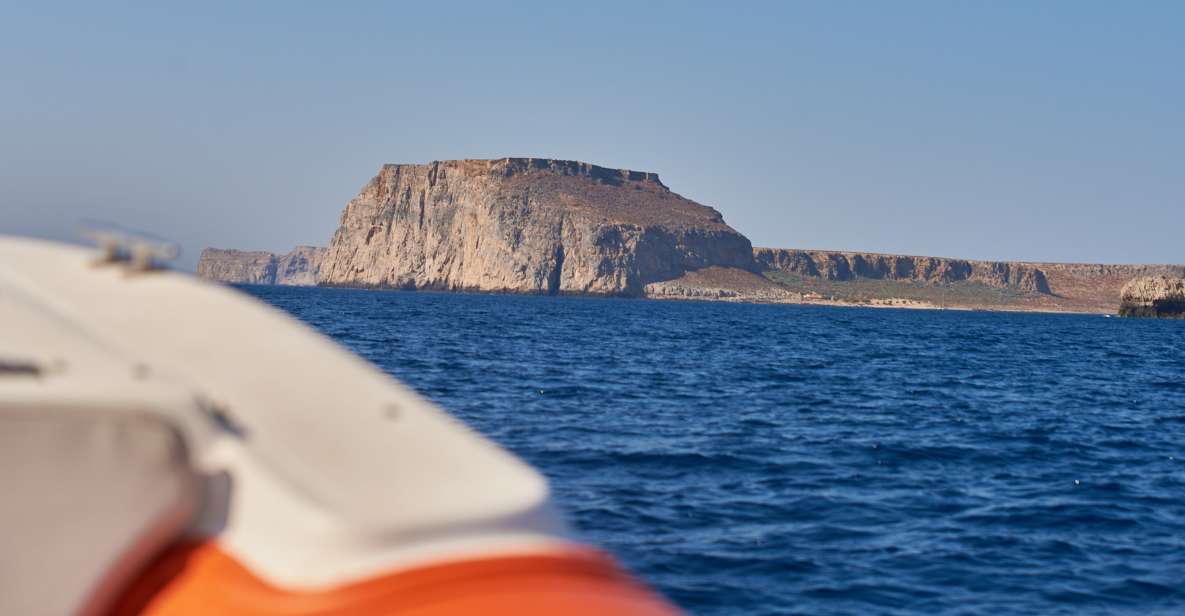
pixel 1153 296
pixel 543 226
pixel 299 267
pixel 525 225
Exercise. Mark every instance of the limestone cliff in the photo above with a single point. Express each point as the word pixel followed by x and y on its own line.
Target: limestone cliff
pixel 298 267
pixel 527 226
pixel 1154 296
pixel 844 266
pixel 237 266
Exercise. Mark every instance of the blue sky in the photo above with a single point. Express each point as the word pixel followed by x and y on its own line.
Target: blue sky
pixel 1011 130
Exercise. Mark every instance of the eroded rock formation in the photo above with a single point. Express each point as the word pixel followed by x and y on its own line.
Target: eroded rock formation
pixel 1153 296
pixel 843 266
pixel 527 226
pixel 299 267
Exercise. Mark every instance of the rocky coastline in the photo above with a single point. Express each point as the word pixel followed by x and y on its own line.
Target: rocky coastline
pixel 556 227
pixel 844 266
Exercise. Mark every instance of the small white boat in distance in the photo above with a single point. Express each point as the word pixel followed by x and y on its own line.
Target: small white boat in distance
pixel 169 446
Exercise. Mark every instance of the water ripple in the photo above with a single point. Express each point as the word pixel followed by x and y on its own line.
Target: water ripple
pixel 804 460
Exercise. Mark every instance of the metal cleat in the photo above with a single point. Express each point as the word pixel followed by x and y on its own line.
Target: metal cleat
pixel 141 251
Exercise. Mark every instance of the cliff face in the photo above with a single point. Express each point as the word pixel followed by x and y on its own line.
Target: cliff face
pixel 237 266
pixel 527 226
pixel 844 266
pixel 1158 296
pixel 298 267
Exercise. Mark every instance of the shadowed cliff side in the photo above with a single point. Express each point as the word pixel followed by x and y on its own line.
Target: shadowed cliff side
pixel 524 225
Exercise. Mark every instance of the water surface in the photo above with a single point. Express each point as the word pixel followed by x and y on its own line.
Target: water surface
pixel 752 459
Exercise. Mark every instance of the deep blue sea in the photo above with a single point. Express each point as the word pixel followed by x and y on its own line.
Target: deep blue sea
pixel 751 459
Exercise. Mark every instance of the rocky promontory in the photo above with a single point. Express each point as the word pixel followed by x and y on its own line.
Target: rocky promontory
pixel 1153 296
pixel 525 225
pixel 298 267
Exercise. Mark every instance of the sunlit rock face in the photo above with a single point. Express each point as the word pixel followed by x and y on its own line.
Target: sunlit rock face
pixel 525 225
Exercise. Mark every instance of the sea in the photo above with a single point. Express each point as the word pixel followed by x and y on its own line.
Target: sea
pixel 788 459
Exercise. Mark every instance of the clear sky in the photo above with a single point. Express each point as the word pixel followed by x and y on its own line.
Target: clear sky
pixel 1003 130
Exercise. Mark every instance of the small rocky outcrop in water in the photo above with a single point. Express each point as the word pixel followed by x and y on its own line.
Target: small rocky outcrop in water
pixel 844 266
pixel 525 225
pixel 1153 296
pixel 299 267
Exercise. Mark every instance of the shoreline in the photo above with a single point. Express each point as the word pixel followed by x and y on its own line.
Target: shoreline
pixel 886 303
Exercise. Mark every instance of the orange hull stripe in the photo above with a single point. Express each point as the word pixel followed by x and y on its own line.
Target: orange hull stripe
pixel 200 579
